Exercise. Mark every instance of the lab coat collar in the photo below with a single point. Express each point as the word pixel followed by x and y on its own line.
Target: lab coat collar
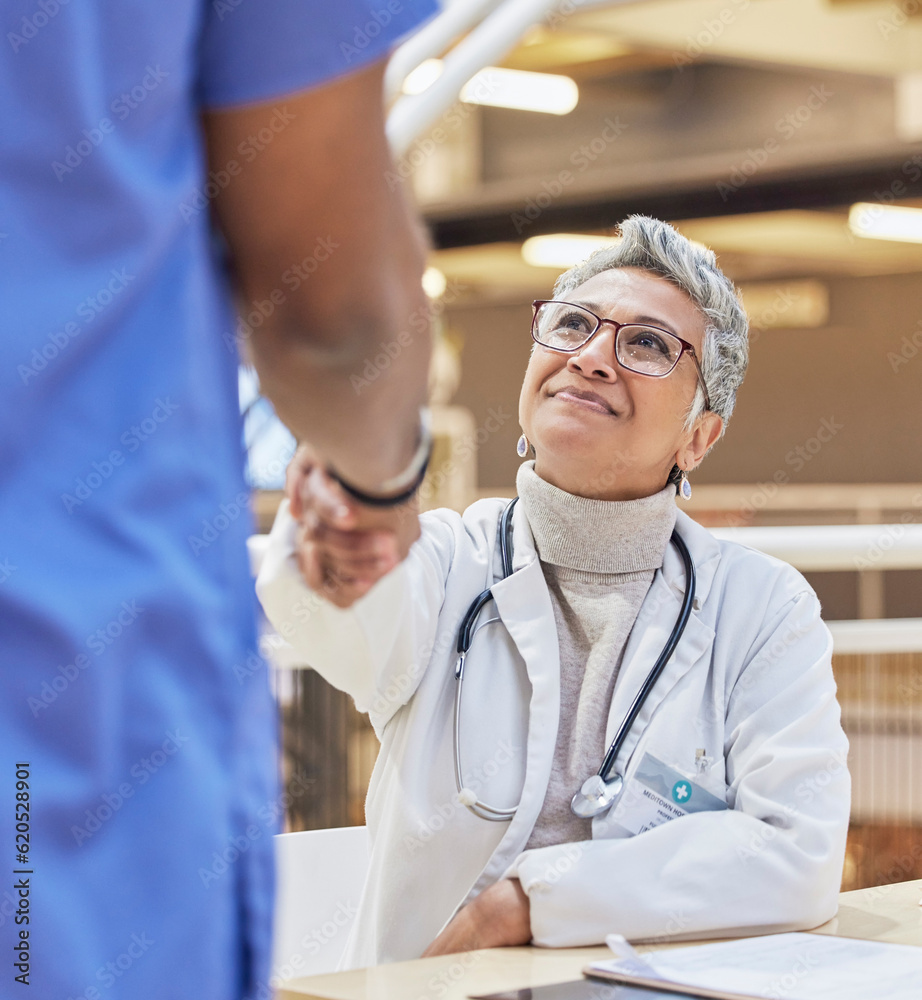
pixel 705 551
pixel 524 604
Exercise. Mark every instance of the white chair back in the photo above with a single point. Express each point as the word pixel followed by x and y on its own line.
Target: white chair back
pixel 320 877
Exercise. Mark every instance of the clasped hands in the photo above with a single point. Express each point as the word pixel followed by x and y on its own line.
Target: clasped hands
pixel 343 549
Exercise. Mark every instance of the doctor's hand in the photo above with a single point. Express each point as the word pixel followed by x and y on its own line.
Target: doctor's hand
pixel 343 547
pixel 498 917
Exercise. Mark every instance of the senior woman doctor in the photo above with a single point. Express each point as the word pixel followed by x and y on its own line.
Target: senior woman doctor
pixel 735 801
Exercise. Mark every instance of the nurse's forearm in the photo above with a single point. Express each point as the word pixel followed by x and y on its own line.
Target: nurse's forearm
pixel 357 401
pixel 328 260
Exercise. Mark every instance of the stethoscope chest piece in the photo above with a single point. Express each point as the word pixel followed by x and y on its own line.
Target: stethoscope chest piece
pixel 596 795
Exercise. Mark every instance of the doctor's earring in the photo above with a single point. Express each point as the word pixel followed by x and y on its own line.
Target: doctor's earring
pixel 684 486
pixel 522 446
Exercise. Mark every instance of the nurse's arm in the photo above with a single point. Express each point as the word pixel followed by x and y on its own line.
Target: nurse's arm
pixel 328 259
pixel 378 649
pixel 772 862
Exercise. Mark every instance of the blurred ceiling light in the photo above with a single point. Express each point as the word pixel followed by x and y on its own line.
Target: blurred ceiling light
pixel 422 78
pixel 549 93
pixel 522 90
pixel 788 305
pixel 562 249
pixel 434 282
pixel 886 222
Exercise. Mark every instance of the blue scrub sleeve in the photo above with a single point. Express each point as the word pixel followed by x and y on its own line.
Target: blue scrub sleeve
pixel 257 50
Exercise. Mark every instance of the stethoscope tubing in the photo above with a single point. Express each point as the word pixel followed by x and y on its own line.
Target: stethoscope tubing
pixel 658 667
pixel 465 638
pixel 466 635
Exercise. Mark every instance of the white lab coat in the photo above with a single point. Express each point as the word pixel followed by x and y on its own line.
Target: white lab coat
pixel 750 684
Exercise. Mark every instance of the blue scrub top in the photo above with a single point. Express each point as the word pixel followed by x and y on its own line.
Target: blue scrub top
pixel 130 685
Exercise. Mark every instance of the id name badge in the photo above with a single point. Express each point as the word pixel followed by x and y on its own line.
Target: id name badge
pixel 658 793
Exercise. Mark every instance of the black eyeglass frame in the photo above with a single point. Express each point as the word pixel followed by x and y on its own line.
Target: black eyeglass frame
pixel 687 348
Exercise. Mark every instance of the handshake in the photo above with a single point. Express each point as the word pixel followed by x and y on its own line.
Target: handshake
pixel 343 547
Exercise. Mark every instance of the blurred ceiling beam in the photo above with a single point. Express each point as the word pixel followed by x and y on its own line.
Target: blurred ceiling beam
pixel 829 185
pixel 876 37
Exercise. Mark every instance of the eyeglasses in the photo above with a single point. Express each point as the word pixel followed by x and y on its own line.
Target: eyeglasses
pixel 646 350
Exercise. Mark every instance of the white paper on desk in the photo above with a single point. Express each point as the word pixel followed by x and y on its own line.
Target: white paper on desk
pixel 793 967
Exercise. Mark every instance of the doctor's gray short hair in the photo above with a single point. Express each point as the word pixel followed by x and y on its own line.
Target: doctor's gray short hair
pixel 657 247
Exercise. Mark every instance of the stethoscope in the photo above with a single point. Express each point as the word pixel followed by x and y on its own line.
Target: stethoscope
pixel 599 791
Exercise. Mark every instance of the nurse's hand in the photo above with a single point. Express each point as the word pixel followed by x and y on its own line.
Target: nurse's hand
pixel 343 547
pixel 498 917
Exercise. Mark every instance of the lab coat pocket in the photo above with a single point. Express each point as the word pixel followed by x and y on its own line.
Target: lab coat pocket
pixel 657 793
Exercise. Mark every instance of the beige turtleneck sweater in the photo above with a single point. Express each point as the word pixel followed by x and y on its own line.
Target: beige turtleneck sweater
pixel 598 558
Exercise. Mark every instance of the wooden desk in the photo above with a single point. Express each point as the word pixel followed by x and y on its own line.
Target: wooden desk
pixel 886 913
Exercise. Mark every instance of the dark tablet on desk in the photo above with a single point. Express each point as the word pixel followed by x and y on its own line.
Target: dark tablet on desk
pixel 582 989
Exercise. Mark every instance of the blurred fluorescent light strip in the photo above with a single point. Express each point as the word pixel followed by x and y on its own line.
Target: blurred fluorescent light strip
pixel 562 249
pixel 422 78
pixel 548 93
pixel 886 222
pixel 434 282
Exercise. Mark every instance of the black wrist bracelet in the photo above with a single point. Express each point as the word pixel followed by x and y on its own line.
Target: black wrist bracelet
pixel 371 500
